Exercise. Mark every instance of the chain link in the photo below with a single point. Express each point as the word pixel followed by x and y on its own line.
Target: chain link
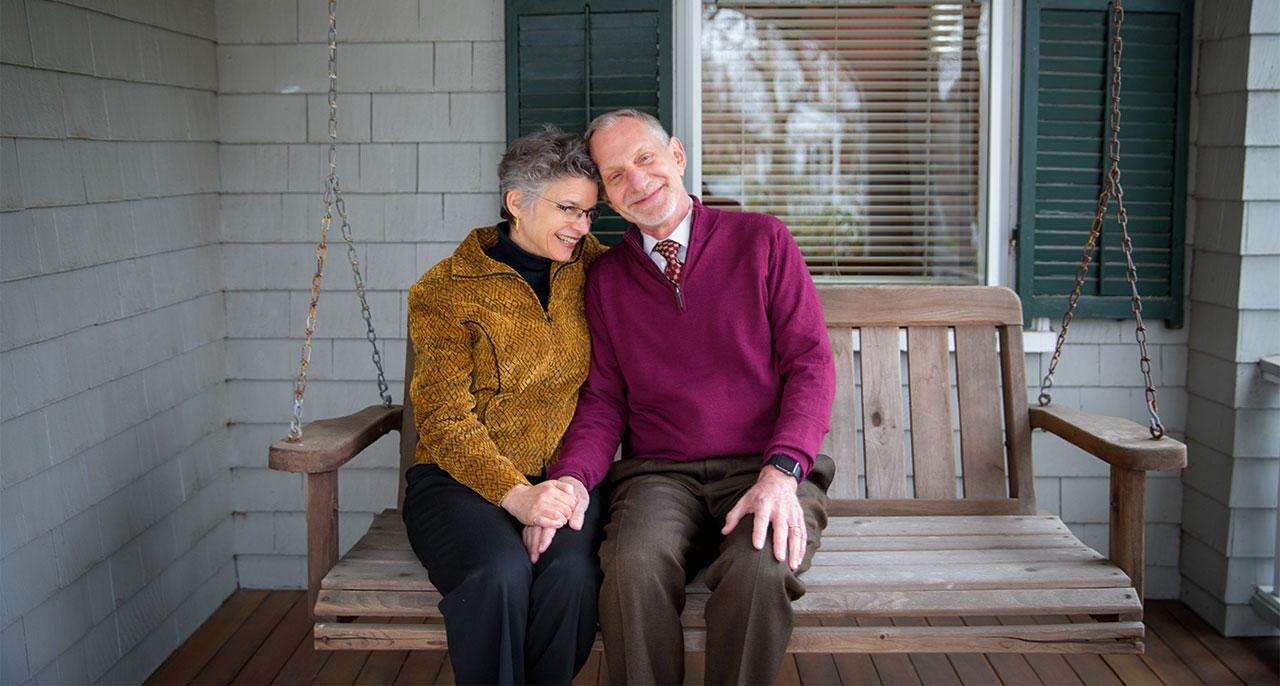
pixel 1112 189
pixel 333 200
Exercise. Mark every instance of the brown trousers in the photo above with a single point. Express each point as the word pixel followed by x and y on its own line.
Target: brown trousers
pixel 664 526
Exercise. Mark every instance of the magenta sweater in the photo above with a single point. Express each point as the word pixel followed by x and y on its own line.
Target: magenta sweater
pixel 744 368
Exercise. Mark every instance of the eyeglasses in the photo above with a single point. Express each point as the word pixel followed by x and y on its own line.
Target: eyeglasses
pixel 572 213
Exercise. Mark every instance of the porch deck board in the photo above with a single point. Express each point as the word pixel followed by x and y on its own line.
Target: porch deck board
pixel 263 637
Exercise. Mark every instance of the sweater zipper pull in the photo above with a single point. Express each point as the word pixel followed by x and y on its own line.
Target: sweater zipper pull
pixel 679 299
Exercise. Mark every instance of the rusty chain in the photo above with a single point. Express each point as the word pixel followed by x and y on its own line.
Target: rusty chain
pixel 1112 189
pixel 333 200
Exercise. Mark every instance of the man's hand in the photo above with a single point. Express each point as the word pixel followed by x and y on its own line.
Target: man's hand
pixel 773 501
pixel 536 540
pixel 581 500
pixel 550 503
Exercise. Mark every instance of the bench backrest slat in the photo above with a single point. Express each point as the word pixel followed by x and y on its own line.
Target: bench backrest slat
pixel 929 368
pixel 978 385
pixel 882 426
pixel 841 440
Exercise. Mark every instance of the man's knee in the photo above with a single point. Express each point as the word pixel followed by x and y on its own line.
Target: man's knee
pixel 742 571
pixel 637 565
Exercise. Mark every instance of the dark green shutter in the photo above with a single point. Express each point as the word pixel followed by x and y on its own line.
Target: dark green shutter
pixel 1065 107
pixel 569 61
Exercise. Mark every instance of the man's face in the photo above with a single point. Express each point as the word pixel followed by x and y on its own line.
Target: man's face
pixel 642 174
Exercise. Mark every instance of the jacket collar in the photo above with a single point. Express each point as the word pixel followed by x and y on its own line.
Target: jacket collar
pixel 470 261
pixel 700 230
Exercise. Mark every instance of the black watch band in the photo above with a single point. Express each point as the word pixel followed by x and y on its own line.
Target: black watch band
pixel 787 465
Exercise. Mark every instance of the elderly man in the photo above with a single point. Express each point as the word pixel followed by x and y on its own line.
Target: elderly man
pixel 710 354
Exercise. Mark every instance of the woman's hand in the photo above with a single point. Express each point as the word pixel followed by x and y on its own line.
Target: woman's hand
pixel 536 540
pixel 548 504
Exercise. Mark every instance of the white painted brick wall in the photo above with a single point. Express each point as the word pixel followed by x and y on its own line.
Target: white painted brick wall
pixel 113 348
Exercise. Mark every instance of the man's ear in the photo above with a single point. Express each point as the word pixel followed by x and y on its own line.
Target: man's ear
pixel 677 151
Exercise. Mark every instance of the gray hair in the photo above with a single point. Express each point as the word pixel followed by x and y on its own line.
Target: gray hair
pixel 608 119
pixel 539 158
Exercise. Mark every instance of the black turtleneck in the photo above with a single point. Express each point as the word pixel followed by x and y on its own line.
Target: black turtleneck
pixel 535 269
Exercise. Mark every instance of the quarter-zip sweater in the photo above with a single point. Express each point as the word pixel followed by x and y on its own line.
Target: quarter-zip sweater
pixel 496 376
pixel 736 362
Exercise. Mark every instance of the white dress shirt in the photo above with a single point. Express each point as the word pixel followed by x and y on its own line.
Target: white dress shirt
pixel 680 235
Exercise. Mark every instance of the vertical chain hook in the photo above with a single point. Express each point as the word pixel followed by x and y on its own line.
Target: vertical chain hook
pixel 333 200
pixel 1112 190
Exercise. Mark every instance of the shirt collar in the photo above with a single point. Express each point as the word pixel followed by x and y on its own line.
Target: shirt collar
pixel 680 235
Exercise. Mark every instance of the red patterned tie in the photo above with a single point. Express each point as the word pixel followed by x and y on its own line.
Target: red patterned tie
pixel 670 250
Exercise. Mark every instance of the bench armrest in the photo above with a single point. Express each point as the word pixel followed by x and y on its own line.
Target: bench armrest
pixel 328 444
pixel 1119 442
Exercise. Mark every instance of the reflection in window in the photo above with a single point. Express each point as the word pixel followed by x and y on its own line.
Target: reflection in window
pixel 858 124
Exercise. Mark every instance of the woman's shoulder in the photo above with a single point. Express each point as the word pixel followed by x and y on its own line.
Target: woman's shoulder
pixel 592 249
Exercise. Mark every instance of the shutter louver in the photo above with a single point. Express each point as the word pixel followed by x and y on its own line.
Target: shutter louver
pixel 1066 125
pixel 857 124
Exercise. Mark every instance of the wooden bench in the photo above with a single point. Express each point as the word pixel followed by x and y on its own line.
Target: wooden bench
pixel 938 521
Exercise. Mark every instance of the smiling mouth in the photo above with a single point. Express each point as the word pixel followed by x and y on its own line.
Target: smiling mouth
pixel 648 197
pixel 569 241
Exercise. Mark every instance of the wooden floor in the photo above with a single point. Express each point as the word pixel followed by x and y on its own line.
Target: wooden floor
pixel 264 637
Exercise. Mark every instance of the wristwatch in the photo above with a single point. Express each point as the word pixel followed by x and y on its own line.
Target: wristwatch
pixel 787 466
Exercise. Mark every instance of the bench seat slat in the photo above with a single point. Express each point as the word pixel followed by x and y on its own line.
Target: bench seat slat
pixel 852 558
pixel 846 543
pixel 816 603
pixel 993 525
pixel 909 577
pixel 1112 637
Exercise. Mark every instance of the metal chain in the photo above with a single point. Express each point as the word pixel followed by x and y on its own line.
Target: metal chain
pixel 1111 189
pixel 333 200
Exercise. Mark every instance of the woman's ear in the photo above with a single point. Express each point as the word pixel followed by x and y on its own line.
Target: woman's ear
pixel 514 201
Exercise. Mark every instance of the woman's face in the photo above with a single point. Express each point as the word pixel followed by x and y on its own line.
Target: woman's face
pixel 542 227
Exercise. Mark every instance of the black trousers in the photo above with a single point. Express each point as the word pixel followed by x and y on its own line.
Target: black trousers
pixel 508 621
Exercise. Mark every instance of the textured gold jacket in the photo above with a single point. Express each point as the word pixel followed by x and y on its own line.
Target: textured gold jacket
pixel 496 377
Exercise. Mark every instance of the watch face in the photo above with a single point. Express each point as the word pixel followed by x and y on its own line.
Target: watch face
pixel 787 464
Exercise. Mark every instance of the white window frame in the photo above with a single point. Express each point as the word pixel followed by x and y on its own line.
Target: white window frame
pixel 999 133
pixel 1000 117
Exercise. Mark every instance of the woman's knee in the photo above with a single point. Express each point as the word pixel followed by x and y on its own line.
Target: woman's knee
pixel 573 571
pixel 504 571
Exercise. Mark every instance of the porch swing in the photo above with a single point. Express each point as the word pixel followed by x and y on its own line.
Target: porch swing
pixel 905 547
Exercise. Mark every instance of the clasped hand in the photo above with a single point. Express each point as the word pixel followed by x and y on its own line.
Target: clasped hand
pixel 544 508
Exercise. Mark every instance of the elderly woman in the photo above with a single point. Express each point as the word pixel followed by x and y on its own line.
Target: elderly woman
pixel 501 348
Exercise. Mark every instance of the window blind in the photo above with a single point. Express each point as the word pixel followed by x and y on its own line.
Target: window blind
pixel 856 123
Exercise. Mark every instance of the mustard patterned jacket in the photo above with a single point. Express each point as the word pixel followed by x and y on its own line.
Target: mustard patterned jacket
pixel 496 377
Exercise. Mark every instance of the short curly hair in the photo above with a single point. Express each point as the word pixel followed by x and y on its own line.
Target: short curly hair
pixel 539 158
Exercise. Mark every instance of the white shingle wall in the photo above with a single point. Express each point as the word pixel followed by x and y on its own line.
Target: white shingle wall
pixel 114 483
pixel 1228 542
pixel 421 128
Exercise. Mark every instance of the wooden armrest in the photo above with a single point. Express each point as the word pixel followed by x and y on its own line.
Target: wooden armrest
pixel 1119 442
pixel 328 444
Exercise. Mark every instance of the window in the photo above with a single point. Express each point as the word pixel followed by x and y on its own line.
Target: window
pixel 859 124
pixel 1065 124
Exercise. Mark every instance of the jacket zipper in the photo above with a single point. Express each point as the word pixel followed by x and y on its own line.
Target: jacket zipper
pixel 663 277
